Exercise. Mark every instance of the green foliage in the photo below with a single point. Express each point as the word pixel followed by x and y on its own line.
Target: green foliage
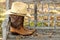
pixel 1 21
pixel 0 27
pixel 25 24
pixel 31 24
pixel 39 24
pixel 45 24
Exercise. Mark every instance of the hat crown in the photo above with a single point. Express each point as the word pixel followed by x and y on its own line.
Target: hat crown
pixel 19 7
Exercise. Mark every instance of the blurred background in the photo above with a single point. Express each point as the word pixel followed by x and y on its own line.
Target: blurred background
pixel 2 10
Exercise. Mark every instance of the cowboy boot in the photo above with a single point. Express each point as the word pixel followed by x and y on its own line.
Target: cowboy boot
pixel 20 32
pixel 17 25
pixel 29 29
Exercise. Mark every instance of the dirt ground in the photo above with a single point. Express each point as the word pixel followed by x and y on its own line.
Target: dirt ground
pixel 38 35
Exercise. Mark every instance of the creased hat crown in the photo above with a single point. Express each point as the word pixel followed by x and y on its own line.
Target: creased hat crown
pixel 19 7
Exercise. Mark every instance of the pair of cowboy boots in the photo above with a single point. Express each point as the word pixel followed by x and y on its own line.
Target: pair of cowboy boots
pixel 17 25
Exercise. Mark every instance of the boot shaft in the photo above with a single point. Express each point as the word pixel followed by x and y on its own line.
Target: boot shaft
pixel 16 21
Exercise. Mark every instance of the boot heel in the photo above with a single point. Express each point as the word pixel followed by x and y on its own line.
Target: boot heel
pixel 14 33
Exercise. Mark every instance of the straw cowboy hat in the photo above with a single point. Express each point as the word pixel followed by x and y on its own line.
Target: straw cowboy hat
pixel 18 8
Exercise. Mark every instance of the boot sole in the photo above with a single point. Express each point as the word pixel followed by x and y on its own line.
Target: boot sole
pixel 14 33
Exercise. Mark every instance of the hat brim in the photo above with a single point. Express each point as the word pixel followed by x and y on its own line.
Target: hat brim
pixel 8 12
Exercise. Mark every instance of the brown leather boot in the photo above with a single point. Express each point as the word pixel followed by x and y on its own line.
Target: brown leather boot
pixel 21 31
pixel 17 25
pixel 33 30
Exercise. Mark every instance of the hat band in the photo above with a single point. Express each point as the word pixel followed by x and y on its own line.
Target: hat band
pixel 18 14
